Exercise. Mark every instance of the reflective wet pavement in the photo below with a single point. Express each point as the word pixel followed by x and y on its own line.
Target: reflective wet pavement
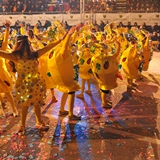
pixel 128 131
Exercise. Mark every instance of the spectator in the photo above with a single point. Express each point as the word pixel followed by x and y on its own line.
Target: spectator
pixel 96 25
pixel 113 5
pixel 135 25
pixel 154 36
pixel 101 26
pixel 17 26
pixel 128 5
pixel 144 26
pixel 47 24
pixel 66 25
pixel 129 26
pixel 120 25
pixel 108 3
pixel 155 28
pixel 39 25
pixel 51 8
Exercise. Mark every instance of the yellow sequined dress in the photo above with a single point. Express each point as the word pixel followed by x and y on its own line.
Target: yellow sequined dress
pixel 30 86
pixel 43 64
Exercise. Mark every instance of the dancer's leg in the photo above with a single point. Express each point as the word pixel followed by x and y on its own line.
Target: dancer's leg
pixel 24 112
pixel 54 100
pixel 37 111
pixel 11 100
pixel 71 103
pixel 89 87
pixel 63 101
pixel 82 89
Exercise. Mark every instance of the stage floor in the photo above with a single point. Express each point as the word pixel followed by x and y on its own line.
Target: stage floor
pixel 128 131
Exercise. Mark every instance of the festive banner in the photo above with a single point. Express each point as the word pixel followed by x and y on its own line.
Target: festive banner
pixel 54 17
pixel 148 18
pixel 73 19
pixel 113 17
pixel 44 17
pixel 106 17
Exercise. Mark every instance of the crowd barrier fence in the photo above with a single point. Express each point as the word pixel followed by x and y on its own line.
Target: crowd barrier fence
pixel 73 19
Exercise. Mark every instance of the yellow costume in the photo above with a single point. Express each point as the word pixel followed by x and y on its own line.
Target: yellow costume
pixel 44 70
pixel 130 61
pixel 105 68
pixel 5 77
pixel 84 62
pixel 85 53
pixel 146 52
pixel 61 67
pixel 123 42
pixel 22 30
pixel 35 30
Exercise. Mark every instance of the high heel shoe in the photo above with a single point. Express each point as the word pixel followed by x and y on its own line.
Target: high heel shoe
pixel 21 130
pixel 42 126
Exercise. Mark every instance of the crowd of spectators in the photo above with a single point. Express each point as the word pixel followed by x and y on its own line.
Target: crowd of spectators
pixel 89 6
pixel 74 5
pixel 143 5
pixel 23 5
pixel 106 5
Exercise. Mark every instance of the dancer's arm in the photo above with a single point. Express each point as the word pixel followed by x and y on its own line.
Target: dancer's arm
pixel 74 36
pixel 6 55
pixel 146 45
pixel 6 36
pixel 117 49
pixel 3 53
pixel 66 41
pixel 51 45
pixel 47 48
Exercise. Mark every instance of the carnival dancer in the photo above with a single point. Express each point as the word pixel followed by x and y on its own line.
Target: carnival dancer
pixel 131 61
pixel 146 52
pixel 5 77
pixel 43 66
pixel 85 53
pixel 61 66
pixel 105 70
pixel 30 86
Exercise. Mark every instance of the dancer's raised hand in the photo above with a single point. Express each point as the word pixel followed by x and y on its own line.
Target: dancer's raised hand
pixel 7 24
